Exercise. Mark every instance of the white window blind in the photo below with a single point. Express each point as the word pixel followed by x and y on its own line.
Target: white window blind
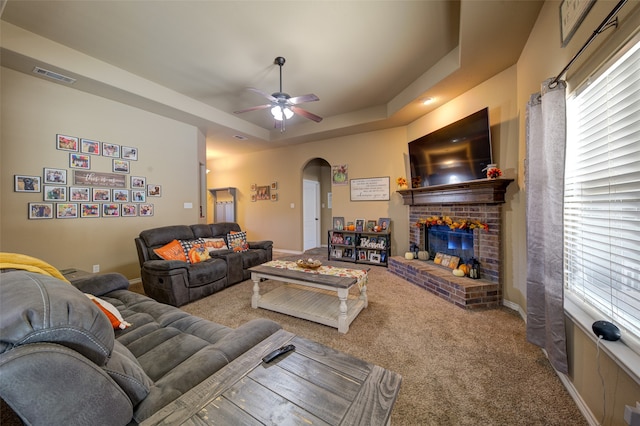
pixel 602 194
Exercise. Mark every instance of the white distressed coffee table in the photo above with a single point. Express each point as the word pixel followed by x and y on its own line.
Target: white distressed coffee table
pixel 311 294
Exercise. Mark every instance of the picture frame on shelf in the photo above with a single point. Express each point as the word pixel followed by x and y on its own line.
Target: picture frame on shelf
pixel 359 225
pixel 454 262
pixel 383 257
pixel 79 193
pixel 55 176
pixel 91 210
pixel 55 193
pixel 348 240
pixel 40 210
pixel 66 143
pixel 348 253
pixel 385 224
pixel 336 253
pixel 438 258
pixel 446 260
pixel 80 161
pixel 362 255
pixel 374 257
pixel 370 225
pixel 24 183
pixel 66 210
pixel 87 146
pixel 129 153
pixel 110 150
pixel 338 223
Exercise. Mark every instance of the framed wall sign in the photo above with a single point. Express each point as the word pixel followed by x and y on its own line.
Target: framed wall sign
pixel 572 13
pixel 370 189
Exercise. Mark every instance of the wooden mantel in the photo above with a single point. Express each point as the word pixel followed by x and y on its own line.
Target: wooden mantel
pixel 481 191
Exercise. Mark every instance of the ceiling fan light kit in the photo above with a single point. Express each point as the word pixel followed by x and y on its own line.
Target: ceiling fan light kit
pixel 282 105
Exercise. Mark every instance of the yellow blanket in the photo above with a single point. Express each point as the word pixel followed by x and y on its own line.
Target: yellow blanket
pixel 28 263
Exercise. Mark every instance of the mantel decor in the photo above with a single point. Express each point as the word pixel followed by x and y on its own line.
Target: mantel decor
pixel 481 191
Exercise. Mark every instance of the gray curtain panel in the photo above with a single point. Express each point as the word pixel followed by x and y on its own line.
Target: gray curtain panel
pixel 544 178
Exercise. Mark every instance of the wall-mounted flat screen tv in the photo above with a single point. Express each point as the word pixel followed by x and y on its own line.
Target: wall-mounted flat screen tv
pixel 455 153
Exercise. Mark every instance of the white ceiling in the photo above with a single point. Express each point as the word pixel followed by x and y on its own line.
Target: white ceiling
pixel 369 62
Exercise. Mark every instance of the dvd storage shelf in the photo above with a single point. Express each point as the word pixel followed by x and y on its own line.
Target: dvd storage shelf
pixel 373 248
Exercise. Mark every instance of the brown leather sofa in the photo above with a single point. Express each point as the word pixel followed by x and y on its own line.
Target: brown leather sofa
pixel 176 282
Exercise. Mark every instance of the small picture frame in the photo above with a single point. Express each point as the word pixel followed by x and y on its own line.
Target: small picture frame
pixel 120 195
pixel 129 153
pixel 55 193
pixel 274 186
pixel 111 210
pixel 55 176
pixel 138 182
pixel 362 255
pixel 274 197
pixel 383 257
pixel 454 262
pixel 40 210
pixel 263 193
pixel 336 253
pixel 254 187
pixel 374 257
pixel 24 183
pixel 146 210
pixel 101 195
pixel 79 193
pixel 138 195
pixel 66 143
pixel 359 225
pixel 438 258
pixel 370 225
pixel 446 259
pixel 129 210
pixel 338 223
pixel 154 190
pixel 385 224
pixel 90 210
pixel 110 150
pixel 87 146
pixel 120 166
pixel 253 198
pixel 79 161
pixel 66 210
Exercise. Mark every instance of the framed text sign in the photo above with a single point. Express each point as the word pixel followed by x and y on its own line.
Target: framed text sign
pixel 572 13
pixel 370 189
pixel 109 180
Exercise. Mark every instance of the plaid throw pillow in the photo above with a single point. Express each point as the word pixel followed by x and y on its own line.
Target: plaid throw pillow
pixel 238 241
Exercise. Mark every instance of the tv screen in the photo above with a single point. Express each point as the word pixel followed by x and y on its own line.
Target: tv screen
pixel 455 153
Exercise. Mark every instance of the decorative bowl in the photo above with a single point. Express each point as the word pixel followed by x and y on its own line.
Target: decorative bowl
pixel 308 263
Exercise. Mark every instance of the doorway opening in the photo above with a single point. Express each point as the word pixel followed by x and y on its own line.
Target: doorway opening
pixel 316 213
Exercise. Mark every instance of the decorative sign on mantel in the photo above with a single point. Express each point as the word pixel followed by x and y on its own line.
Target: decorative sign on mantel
pixel 370 189
pixel 109 180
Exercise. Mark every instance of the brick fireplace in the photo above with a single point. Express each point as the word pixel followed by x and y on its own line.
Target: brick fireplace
pixel 477 200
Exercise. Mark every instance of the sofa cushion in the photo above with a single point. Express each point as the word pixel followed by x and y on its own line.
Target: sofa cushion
pixel 253 258
pixel 40 308
pixel 206 272
pixel 215 244
pixel 238 241
pixel 194 250
pixel 126 371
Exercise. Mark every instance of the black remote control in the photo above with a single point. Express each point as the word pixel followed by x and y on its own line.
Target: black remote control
pixel 280 351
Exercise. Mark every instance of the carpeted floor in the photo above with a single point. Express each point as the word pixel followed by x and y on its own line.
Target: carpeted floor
pixel 458 367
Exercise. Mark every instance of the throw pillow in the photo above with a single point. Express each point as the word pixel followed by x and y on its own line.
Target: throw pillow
pixel 171 251
pixel 111 312
pixel 194 250
pixel 215 243
pixel 238 241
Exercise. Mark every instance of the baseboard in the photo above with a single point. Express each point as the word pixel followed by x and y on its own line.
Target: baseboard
pixel 287 251
pixel 135 281
pixel 509 304
pixel 573 392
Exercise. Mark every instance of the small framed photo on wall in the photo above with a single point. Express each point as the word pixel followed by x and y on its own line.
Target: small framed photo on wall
pixel 120 166
pixel 78 193
pixel 154 190
pixel 90 210
pixel 110 150
pixel 66 143
pixel 24 183
pixel 88 146
pixel 40 210
pixel 120 196
pixel 138 195
pixel 110 210
pixel 67 210
pixel 101 194
pixel 79 161
pixel 55 176
pixel 138 182
pixel 146 210
pixel 129 210
pixel 55 193
pixel 129 153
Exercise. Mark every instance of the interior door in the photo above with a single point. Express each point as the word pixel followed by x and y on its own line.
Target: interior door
pixel 311 214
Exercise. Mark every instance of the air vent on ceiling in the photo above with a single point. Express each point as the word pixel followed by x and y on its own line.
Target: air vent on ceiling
pixel 54 75
pixel 240 137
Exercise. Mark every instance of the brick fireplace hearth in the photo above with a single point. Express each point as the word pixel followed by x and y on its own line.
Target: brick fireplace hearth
pixel 477 200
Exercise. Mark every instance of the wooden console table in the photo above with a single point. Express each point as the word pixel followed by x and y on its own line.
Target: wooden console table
pixel 314 384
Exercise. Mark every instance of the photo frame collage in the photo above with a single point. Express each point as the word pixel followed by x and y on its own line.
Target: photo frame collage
pixel 383 224
pixel 264 192
pixel 64 199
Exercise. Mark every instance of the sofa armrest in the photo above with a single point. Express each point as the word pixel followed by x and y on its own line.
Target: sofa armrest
pixel 101 284
pixel 246 337
pixel 220 253
pixel 265 244
pixel 164 265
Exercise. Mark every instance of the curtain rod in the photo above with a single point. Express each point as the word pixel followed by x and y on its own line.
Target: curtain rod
pixel 607 23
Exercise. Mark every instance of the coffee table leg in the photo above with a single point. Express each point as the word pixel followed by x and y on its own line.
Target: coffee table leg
pixel 363 295
pixel 256 291
pixel 343 326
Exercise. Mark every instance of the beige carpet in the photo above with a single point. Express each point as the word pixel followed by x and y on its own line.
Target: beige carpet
pixel 458 367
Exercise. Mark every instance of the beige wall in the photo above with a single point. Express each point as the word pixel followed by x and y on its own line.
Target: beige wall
pixel 33 112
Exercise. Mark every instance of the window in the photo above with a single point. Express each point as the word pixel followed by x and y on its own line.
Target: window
pixel 602 193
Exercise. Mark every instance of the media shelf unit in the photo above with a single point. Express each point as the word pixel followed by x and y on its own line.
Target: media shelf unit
pixel 372 248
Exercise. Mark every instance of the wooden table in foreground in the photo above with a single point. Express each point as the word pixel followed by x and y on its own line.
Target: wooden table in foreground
pixel 313 385
pixel 302 301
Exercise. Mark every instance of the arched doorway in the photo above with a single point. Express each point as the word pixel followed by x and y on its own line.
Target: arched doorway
pixel 316 213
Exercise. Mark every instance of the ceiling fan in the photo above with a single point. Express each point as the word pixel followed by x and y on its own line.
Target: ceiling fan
pixel 282 105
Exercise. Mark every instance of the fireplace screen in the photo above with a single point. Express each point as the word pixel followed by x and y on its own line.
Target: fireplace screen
pixel 442 239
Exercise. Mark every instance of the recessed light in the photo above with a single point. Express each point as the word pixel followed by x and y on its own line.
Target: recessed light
pixel 240 137
pixel 427 101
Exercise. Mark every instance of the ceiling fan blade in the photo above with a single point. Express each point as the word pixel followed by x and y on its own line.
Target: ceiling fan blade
pixel 304 98
pixel 255 108
pixel 306 114
pixel 260 92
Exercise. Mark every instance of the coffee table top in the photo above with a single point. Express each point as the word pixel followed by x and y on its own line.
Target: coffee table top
pixel 312 385
pixel 319 277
